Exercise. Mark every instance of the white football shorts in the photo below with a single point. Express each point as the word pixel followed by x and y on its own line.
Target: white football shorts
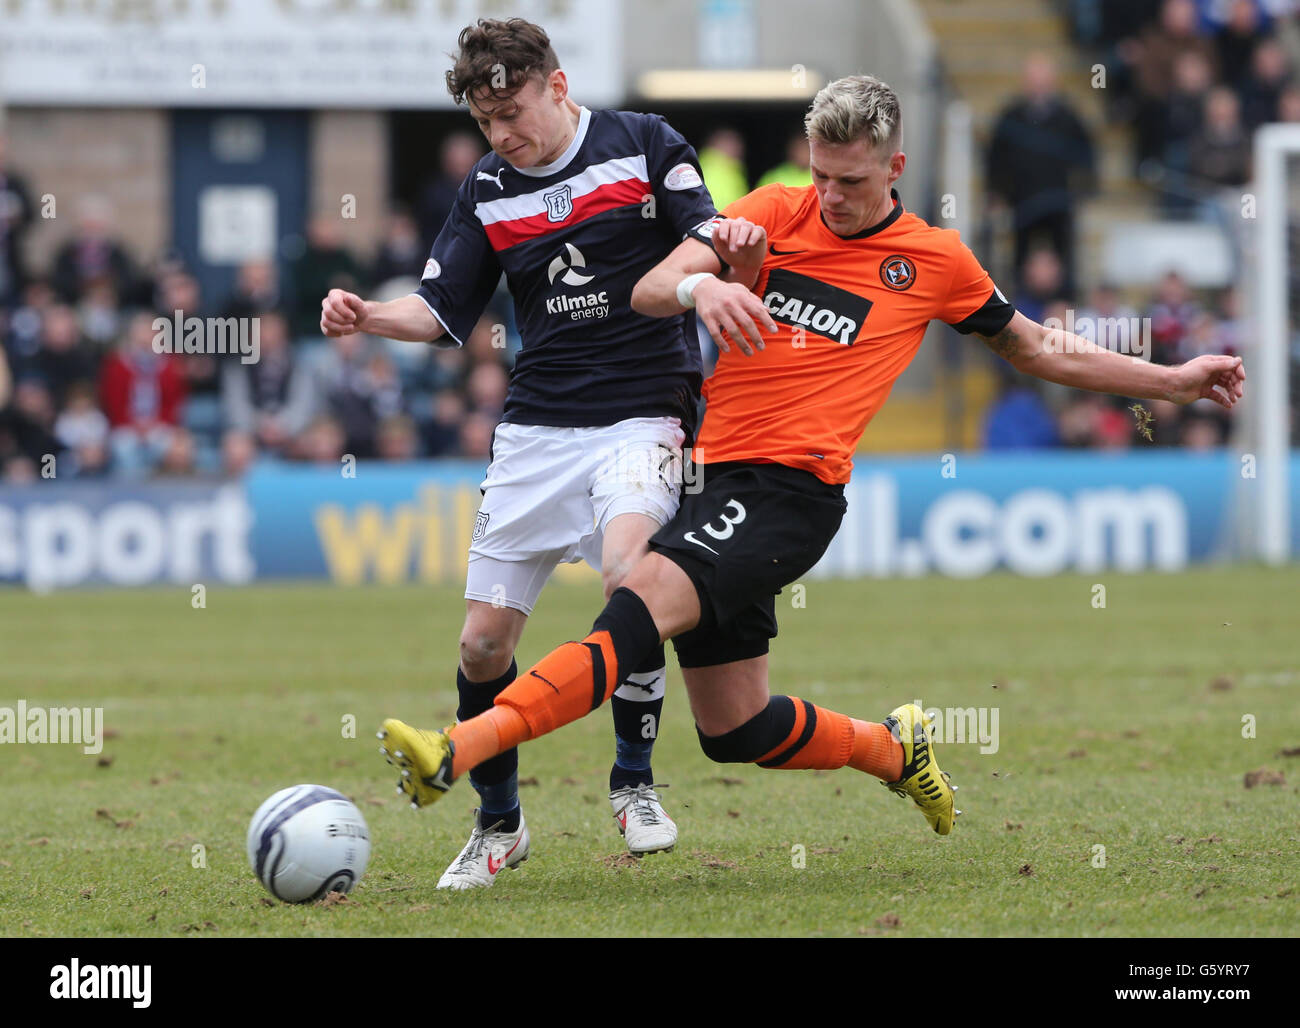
pixel 550 492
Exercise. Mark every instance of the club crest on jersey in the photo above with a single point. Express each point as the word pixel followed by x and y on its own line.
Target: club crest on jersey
pixel 432 269
pixel 897 272
pixel 559 203
pixel 815 306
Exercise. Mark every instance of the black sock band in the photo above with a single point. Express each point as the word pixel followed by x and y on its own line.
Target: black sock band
pixel 631 629
pixel 761 734
pixel 476 698
pixel 654 662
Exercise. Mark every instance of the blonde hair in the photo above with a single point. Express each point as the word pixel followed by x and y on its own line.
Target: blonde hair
pixel 853 108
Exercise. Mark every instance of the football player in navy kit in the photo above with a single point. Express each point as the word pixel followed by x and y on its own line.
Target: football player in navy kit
pixel 574 206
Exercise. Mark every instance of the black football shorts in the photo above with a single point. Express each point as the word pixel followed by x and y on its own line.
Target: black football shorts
pixel 751 530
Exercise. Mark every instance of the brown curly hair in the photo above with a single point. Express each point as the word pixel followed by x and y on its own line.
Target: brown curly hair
pixel 498 57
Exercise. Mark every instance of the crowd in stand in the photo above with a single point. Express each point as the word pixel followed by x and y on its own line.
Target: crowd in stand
pixel 85 392
pixel 1194 78
pixel 81 380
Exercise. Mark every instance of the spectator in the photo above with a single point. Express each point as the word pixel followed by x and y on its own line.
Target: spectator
pixel 1044 281
pixel 100 314
pixel 1171 317
pixel 64 357
pixel 27 319
pixel 325 264
pixel 486 386
pixel 1288 104
pixel 27 429
pixel 1219 155
pixel 269 401
pixel 722 163
pixel 442 431
pixel 450 365
pixel 91 255
pixel 1262 90
pixel 82 430
pixel 322 442
pixel 1202 336
pixel 457 156
pixel 1114 324
pixel 1184 118
pixel 1019 420
pixel 1150 59
pixel 1200 433
pixel 177 460
pixel 16 216
pixel 1039 147
pixel 356 388
pixel 397 439
pixel 794 170
pixel 141 393
pixel 1231 327
pixel 488 341
pixel 476 435
pixel 178 290
pixel 238 451
pixel 401 253
pixel 1236 41
pixel 257 289
pixel 1089 422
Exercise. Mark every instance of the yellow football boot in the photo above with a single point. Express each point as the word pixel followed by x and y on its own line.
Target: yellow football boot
pixel 423 757
pixel 921 779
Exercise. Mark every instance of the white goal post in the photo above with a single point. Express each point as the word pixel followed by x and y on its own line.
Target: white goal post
pixel 1269 373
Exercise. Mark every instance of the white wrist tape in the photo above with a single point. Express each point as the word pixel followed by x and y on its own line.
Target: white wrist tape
pixel 686 287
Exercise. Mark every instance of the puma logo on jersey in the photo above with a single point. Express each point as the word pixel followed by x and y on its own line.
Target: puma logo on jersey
pixel 496 179
pixel 808 303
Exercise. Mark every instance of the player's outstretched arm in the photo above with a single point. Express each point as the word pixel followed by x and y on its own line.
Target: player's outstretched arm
pixel 1071 360
pixel 407 318
pixel 730 312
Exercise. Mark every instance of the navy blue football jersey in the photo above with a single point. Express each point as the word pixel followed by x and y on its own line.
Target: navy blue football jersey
pixel 573 237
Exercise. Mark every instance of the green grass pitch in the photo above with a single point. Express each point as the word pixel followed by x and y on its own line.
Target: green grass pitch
pixel 1124 727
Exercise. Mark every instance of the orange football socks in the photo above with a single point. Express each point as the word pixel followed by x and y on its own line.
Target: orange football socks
pixel 876 751
pixel 566 684
pixel 826 739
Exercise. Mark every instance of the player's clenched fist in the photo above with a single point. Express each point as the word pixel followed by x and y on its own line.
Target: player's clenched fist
pixel 342 313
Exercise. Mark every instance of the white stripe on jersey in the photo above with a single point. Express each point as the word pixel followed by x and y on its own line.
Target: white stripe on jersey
pixel 591 178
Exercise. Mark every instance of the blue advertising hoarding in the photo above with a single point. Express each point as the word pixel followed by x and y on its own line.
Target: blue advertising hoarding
pixel 957 515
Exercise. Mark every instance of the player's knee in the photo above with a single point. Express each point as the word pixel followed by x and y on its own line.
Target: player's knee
pixel 483 656
pixel 613 574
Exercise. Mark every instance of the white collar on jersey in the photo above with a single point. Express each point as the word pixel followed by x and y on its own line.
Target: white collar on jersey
pixel 562 162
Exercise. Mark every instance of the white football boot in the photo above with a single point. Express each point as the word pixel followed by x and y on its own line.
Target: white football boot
pixel 487 853
pixel 641 819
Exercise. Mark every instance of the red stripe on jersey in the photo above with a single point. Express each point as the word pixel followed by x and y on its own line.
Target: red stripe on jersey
pixel 505 234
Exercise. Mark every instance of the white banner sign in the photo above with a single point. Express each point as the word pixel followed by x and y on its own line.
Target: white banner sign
pixel 278 53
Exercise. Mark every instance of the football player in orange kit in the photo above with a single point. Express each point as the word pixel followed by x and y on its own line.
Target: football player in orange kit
pixel 842 285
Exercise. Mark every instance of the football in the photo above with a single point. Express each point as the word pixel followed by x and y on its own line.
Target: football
pixel 307 841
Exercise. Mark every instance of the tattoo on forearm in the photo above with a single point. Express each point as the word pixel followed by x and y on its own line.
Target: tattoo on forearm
pixel 1005 344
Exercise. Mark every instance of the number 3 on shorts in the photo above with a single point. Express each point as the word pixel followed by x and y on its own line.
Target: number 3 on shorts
pixel 725 532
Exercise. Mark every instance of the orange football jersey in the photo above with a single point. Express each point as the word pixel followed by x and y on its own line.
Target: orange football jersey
pixel 850 314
